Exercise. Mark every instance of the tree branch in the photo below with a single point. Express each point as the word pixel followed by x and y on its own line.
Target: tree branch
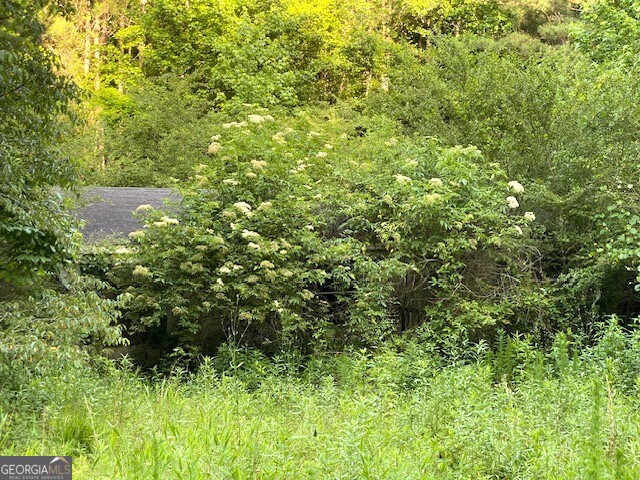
pixel 4 94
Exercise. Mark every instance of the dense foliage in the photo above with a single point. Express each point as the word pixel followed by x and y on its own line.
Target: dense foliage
pixel 52 322
pixel 397 413
pixel 35 235
pixel 407 229
pixel 472 94
pixel 51 338
pixel 313 238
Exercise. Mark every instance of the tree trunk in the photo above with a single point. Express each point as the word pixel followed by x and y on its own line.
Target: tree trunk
pixel 121 25
pixel 368 83
pixel 87 45
pixel 96 53
pixel 100 147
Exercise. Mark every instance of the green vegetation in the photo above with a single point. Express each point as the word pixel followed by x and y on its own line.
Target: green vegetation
pixel 313 240
pixel 406 246
pixel 35 235
pixel 393 414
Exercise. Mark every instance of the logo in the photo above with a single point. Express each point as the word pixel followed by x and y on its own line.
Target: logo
pixel 35 468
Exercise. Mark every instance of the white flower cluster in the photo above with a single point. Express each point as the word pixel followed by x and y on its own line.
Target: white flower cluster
pixel 258 164
pixel 321 154
pixel 164 221
pixel 214 148
pixel 258 119
pixel 192 268
pixel 529 216
pixel 516 186
pixel 279 138
pixel 436 182
pixel 144 208
pixel 140 271
pixel 136 235
pixel 202 179
pixel 298 169
pixel 512 202
pixel 234 124
pixel 244 207
pixel 402 178
pixel 431 198
pixel 249 234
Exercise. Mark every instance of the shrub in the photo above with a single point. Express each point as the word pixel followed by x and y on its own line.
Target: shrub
pixel 50 337
pixel 616 354
pixel 310 235
pixel 565 128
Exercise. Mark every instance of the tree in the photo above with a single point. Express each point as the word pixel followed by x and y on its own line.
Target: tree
pixel 420 21
pixel 35 234
pixel 610 31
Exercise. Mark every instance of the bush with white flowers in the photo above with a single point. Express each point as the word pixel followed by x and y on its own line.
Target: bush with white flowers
pixel 284 247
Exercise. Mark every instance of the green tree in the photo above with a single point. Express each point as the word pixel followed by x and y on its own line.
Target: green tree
pixel 422 20
pixel 35 235
pixel 610 30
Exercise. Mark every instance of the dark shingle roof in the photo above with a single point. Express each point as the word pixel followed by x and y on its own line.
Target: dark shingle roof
pixel 109 211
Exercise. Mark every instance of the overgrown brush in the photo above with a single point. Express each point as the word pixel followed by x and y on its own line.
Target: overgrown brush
pixel 308 235
pixel 394 414
pixel 49 338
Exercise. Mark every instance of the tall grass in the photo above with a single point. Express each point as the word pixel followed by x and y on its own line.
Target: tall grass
pixel 391 415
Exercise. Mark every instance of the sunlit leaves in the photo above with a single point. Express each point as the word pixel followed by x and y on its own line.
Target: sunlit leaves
pixel 34 236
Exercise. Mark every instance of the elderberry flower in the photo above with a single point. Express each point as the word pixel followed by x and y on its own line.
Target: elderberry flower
pixel 516 186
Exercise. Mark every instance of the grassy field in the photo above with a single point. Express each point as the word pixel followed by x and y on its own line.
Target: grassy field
pixel 372 417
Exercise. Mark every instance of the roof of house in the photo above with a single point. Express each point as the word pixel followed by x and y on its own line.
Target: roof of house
pixel 109 211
